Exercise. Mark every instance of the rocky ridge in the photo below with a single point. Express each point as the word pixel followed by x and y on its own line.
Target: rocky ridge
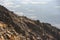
pixel 14 27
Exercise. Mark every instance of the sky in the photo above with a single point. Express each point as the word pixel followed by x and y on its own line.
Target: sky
pixel 43 10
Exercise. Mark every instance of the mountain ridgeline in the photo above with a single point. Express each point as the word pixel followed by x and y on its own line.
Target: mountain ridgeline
pixel 14 27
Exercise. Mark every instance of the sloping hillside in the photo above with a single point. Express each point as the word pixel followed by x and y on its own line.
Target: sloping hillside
pixel 14 27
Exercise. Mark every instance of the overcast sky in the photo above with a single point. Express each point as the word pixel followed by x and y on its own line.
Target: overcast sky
pixel 43 10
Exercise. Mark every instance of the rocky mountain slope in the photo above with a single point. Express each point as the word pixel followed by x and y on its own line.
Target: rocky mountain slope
pixel 13 27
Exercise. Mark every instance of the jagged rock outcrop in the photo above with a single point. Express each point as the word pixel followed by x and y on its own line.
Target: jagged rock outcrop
pixel 13 27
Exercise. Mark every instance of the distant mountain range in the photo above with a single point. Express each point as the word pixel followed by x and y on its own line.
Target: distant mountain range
pixel 14 27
